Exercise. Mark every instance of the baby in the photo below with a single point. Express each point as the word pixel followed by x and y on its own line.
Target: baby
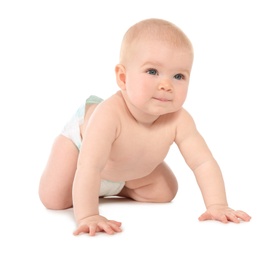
pixel 117 147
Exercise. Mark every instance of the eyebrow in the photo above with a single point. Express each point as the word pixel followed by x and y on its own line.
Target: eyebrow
pixel 152 63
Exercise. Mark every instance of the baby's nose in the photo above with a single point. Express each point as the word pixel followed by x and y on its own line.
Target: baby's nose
pixel 165 85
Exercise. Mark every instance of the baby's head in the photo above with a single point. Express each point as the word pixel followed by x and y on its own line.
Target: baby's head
pixel 153 30
pixel 155 64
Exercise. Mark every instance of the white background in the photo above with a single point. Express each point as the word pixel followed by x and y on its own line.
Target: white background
pixel 53 54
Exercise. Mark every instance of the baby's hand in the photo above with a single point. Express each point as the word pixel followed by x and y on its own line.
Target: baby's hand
pixel 224 214
pixel 97 223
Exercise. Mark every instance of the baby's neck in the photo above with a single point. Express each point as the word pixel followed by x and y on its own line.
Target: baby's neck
pixel 139 116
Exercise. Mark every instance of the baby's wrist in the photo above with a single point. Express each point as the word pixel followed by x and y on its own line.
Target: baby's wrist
pixel 217 205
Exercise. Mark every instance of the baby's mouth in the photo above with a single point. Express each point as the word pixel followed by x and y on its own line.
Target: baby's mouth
pixel 161 99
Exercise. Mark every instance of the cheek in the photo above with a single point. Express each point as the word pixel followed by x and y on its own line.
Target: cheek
pixel 184 93
pixel 181 95
pixel 131 82
pixel 133 91
pixel 137 86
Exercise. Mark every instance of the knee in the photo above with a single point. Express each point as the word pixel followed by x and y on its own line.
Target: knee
pixel 168 193
pixel 52 203
pixel 166 187
pixel 52 200
pixel 166 184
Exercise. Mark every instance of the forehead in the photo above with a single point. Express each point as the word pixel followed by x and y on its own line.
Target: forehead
pixel 161 53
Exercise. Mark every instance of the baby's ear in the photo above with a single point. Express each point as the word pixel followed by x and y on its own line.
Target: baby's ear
pixel 120 73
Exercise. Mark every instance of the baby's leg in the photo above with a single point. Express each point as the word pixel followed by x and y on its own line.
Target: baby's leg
pixel 159 186
pixel 56 182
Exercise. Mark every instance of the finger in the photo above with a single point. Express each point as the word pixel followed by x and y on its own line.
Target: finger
pixel 81 229
pixel 205 216
pixel 116 222
pixel 115 227
pixel 106 228
pixel 242 215
pixel 93 229
pixel 232 217
pixel 223 218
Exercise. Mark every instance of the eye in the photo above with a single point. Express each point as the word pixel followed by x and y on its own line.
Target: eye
pixel 179 76
pixel 152 72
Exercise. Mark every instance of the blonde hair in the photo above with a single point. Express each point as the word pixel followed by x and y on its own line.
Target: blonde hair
pixel 154 29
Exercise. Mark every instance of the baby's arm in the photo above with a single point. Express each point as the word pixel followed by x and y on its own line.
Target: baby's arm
pixel 96 146
pixel 207 172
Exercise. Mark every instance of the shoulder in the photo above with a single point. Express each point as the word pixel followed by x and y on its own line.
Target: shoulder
pixel 179 119
pixel 184 124
pixel 106 115
pixel 108 107
pixel 184 118
pixel 112 104
pixel 113 108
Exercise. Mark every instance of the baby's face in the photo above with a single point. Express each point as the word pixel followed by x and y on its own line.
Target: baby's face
pixel 157 77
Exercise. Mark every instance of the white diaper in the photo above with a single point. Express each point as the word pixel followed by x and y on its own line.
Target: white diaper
pixel 110 188
pixel 71 130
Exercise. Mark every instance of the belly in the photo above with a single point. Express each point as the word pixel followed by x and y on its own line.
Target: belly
pixel 130 168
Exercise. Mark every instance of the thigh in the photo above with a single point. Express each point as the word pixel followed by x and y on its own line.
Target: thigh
pixel 55 188
pixel 159 186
